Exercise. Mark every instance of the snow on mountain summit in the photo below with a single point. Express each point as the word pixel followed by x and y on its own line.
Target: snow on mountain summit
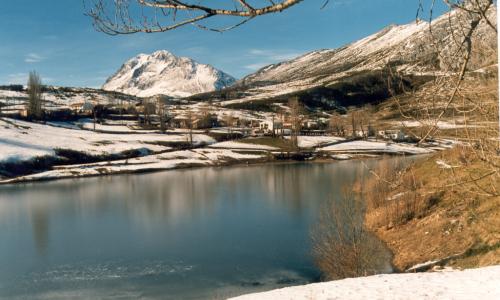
pixel 164 73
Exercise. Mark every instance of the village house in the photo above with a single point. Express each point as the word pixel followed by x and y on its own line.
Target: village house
pixel 82 108
pixel 395 135
pixel 270 126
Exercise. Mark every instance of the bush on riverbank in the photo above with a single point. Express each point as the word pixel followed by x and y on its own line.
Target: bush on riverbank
pixel 342 246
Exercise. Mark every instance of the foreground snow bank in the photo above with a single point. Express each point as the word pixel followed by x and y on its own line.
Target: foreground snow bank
pixel 482 283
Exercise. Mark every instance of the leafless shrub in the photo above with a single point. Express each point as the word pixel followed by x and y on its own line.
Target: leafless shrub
pixel 342 246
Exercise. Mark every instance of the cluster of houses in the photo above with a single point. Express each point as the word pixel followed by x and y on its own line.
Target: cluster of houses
pixel 275 125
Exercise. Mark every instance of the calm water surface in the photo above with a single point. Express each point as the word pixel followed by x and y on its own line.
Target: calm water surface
pixel 185 234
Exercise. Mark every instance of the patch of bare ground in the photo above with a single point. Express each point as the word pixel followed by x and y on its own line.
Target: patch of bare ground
pixel 443 207
pixel 280 143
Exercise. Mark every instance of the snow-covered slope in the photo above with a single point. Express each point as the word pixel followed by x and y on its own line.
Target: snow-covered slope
pixel 23 141
pixel 483 283
pixel 164 73
pixel 14 98
pixel 411 49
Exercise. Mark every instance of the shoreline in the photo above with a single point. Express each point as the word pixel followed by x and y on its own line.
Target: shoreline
pixel 263 160
pixel 446 284
pixel 40 152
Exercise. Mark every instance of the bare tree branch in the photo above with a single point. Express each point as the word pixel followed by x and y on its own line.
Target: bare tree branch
pixel 132 16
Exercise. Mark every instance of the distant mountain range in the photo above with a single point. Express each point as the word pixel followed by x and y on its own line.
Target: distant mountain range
pixel 164 73
pixel 357 73
pixel 354 74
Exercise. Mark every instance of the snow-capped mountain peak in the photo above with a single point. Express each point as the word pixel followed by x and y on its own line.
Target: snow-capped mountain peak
pixel 416 50
pixel 164 73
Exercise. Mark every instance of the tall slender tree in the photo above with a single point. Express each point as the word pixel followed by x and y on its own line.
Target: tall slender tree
pixel 35 100
pixel 295 119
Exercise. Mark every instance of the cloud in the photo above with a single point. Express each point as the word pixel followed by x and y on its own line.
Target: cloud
pixel 17 78
pixel 22 78
pixel 255 66
pixel 275 54
pixel 260 58
pixel 33 58
pixel 47 80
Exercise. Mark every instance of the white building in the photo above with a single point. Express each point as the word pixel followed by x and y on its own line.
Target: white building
pixel 270 125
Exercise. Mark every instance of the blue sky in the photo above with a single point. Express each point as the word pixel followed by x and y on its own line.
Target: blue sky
pixel 54 38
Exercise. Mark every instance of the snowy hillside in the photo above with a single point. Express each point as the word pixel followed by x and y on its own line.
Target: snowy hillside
pixel 410 49
pixel 24 141
pixel 164 73
pixel 56 98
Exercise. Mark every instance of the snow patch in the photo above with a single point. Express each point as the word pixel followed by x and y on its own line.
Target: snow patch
pixel 481 283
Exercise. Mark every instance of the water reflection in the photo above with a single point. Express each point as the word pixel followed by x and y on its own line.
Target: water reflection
pixel 212 232
pixel 40 224
pixel 175 195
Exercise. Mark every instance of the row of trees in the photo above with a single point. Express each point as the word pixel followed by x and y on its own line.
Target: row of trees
pixel 357 123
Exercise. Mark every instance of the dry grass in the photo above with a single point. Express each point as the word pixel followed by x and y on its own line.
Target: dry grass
pixel 438 212
pixel 396 193
pixel 282 144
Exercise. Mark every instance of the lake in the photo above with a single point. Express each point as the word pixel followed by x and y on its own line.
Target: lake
pixel 205 233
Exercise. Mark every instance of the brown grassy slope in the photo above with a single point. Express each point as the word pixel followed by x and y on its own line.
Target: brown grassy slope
pixel 453 215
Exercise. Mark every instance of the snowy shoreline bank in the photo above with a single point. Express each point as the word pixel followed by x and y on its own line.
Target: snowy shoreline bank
pixel 481 283
pixel 39 152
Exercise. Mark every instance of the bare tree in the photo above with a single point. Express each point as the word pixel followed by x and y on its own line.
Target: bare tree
pixel 229 120
pixel 337 125
pixel 149 16
pixel 190 117
pixel 461 102
pixel 35 100
pixel 162 113
pixel 355 121
pixel 295 119
pixel 149 108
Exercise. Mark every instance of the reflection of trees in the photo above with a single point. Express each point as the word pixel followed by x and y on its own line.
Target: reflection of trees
pixel 290 190
pixel 187 193
pixel 300 186
pixel 40 225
